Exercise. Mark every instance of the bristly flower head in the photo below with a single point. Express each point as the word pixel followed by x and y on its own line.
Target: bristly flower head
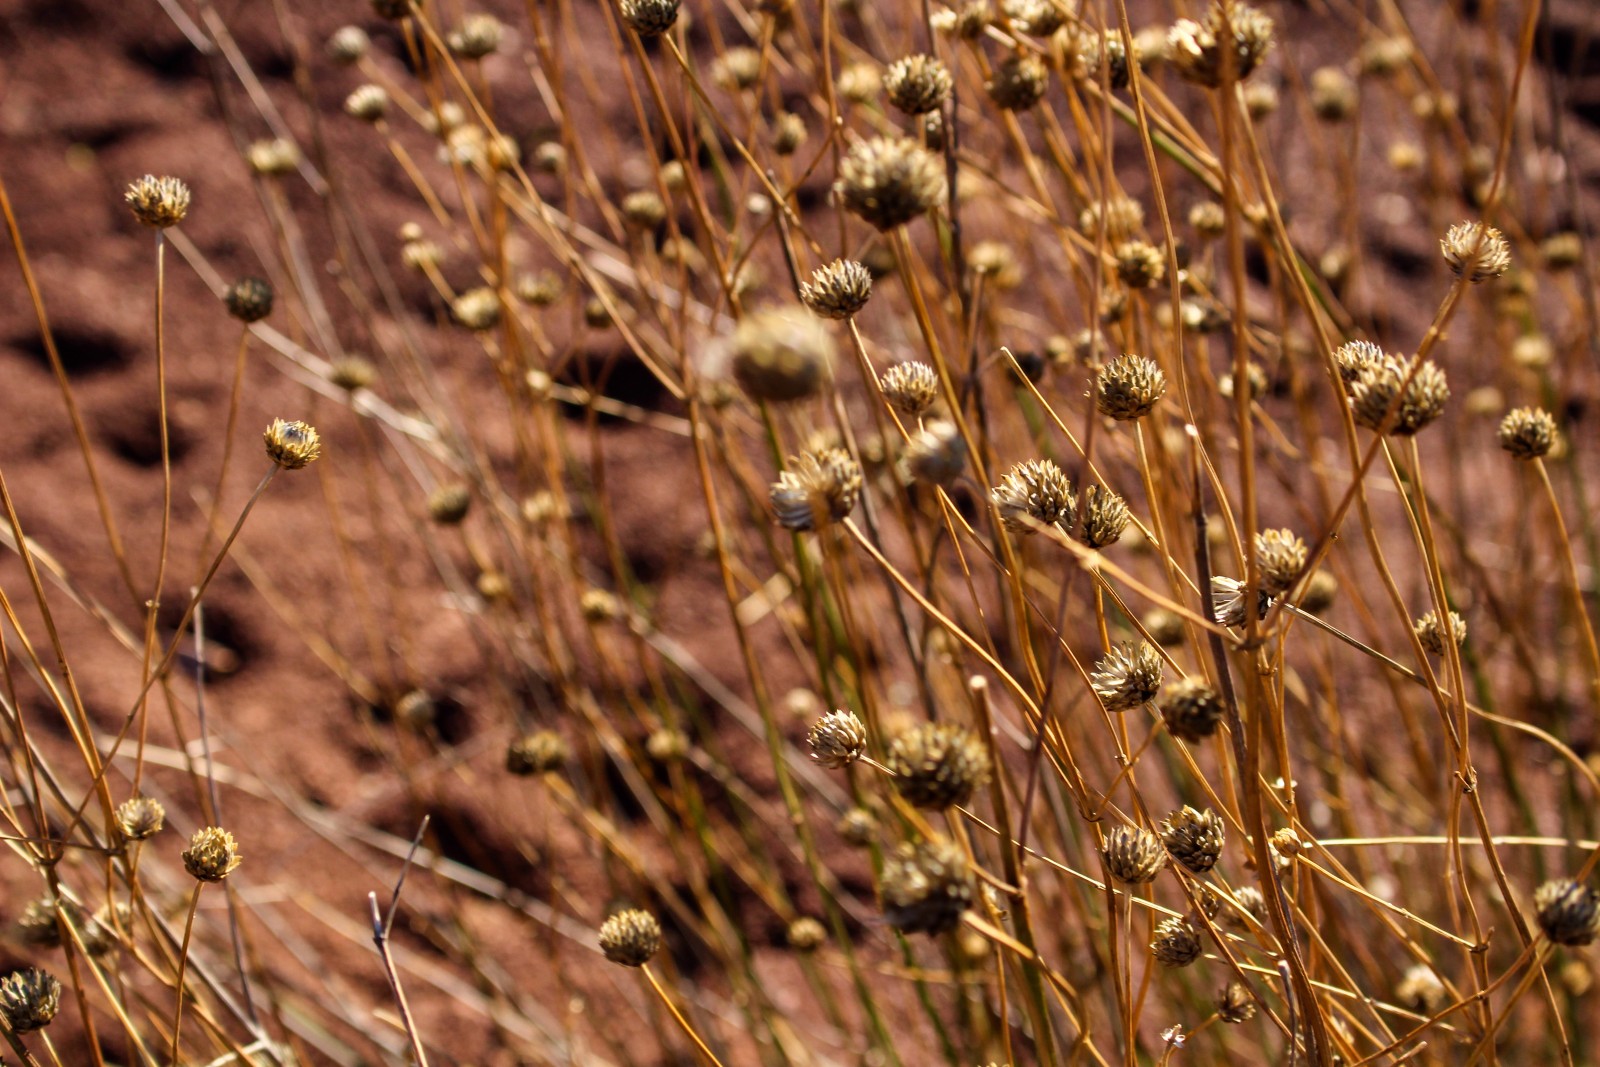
pixel 1176 942
pixel 890 181
pixel 1129 388
pixel 292 445
pixel 477 309
pixel 837 290
pixel 1422 401
pixel 1280 557
pixel 249 299
pixel 911 388
pixel 937 765
pixel 1105 516
pixel 1475 251
pixel 158 202
pixel 540 752
pixel 819 488
pixel 1127 676
pixel 1228 600
pixel 29 999
pixel 369 103
pixel 1355 359
pixel 1528 433
pixel 1194 838
pixel 630 938
pixel 917 84
pixel 478 35
pixel 1568 911
pixel 1133 854
pixel 650 18
pixel 1140 264
pixel 1191 709
pixel 1235 1005
pixel 936 454
pixel 1035 494
pixel 212 855
pixel 781 354
pixel 140 817
pixel 926 887
pixel 1197 49
pixel 837 739
pixel 1431 635
pixel 1018 82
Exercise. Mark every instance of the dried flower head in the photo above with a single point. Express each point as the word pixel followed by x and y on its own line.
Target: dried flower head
pixel 837 739
pixel 369 103
pixel 212 855
pixel 781 354
pixel 1129 388
pixel 860 82
pixel 1562 251
pixel 351 373
pixel 249 299
pixel 1378 389
pixel 1333 95
pixel 857 827
pixel 348 44
pixel 911 388
pixel 819 488
pixel 1176 942
pixel 273 158
pixel 631 937
pixel 478 35
pixel 1228 600
pixel 1036 18
pixel 1105 516
pixel 937 765
pixel 1104 56
pixel 1035 494
pixel 1200 49
pixel 539 289
pixel 1432 636
pixel 477 309
pixel 667 745
pixel 890 181
pixel 449 503
pixel 1121 215
pixel 1476 252
pixel 1280 557
pixel 917 84
pixel 1255 377
pixel 1191 709
pixel 158 202
pixel 1018 82
pixel 643 210
pixel 1140 264
pixel 1528 433
pixel 1235 1005
pixel 1249 905
pixel 1133 854
pixel 837 290
pixel 1355 359
pixel 806 934
pixel 1128 676
pixel 936 453
pixel 788 133
pixel 926 887
pixel 1568 911
pixel 1421 990
pixel 540 752
pixel 1208 220
pixel 140 817
pixel 1194 838
pixel 38 925
pixel 737 68
pixel 29 999
pixel 292 445
pixel 650 18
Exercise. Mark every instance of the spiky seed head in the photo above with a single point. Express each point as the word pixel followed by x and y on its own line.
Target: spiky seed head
pixel 888 181
pixel 917 84
pixel 272 158
pixel 1036 18
pixel 1229 599
pixel 449 503
pixel 29 999
pixel 643 210
pixel 1129 387
pixel 1235 1005
pixel 857 828
pixel 212 855
pixel 1105 516
pixel 1568 911
pixel 1356 358
pixel 926 887
pixel 1431 635
pixel 249 299
pixel 292 445
pixel 1133 854
pixel 837 290
pixel 1528 433
pixel 1198 49
pixel 1476 252
pixel 1280 557
pixel 1128 676
pixel 1176 942
pixel 1250 903
pixel 1562 251
pixel 478 35
pixel 1194 838
pixel 1103 55
pixel 630 938
pixel 781 354
pixel 1018 82
pixel 140 817
pixel 158 202
pixel 972 18
pixel 737 68
pixel 352 373
pixel 369 103
pixel 539 289
pixel 788 133
pixel 837 739
pixel 1121 215
pixel 937 765
pixel 860 83
pixel 1208 220
pixel 806 934
pixel 1420 990
pixel 348 44
pixel 1191 709
pixel 819 488
pixel 477 309
pixel 1333 95
pixel 911 388
pixel 1140 264
pixel 1422 401
pixel 1035 494
pixel 936 454
pixel 650 18
pixel 541 752
pixel 1165 628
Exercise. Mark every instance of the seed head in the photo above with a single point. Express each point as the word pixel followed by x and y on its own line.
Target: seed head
pixel 1036 494
pixel 972 18
pixel 917 84
pixel 1235 1005
pixel 292 445
pixel 29 1000
pixel 478 35
pixel 352 373
pixel 644 210
pixel 1528 433
pixel 806 934
pixel 1255 377
pixel 1105 516
pixel 1333 95
pixel 1208 220
pixel 477 309
pixel 926 887
pixel 1197 49
pixel 273 158
pixel 890 181
pixel 737 68
pixel 911 388
pixel 781 354
pixel 540 289
pixel 1018 83
pixel 347 44
pixel 857 827
pixel 837 290
pixel 1422 402
pixel 541 752
pixel 1133 854
pixel 937 765
pixel 667 745
pixel 860 82
pixel 1176 943
pixel 1104 52
pixel 1432 636
pixel 1568 912
pixel 1129 388
pixel 449 503
pixel 1355 359
pixel 837 739
pixel 936 454
pixel 140 817
pixel 650 18
pixel 1140 264
pixel 1319 593
pixel 819 488
pixel 1250 902
pixel 788 133
pixel 212 855
pixel 1191 709
pixel 1420 990
pixel 1280 557
pixel 1036 18
pixel 1127 677
pixel 369 103
pixel 249 299
pixel 1228 600
pixel 631 937
pixel 1123 216
pixel 1194 838
pixel 1475 251
pixel 158 202
pixel 1562 251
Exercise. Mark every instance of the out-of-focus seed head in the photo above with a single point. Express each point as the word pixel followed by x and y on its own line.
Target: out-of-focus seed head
pixel 1194 838
pixel 972 19
pixel 550 157
pixel 917 84
pixel 1127 677
pixel 1528 433
pixel 911 388
pixel 1249 902
pixel 29 999
pixel 249 299
pixel 1176 942
pixel 837 290
pixel 1104 55
pixel 478 35
pixel 1421 990
pixel 140 817
pixel 837 739
pixel 449 503
pixel 539 289
pixel 650 18
pixel 1133 854
pixel 1319 593
pixel 1476 252
pixel 926 887
pixel 860 83
pixel 1235 1005
pixel 541 752
pixel 936 454
pixel 818 489
pixel 1129 388
pixel 352 373
pixel 630 938
pixel 1255 377
pixel 37 925
pixel 1280 557
pixel 369 103
pixel 273 158
pixel 1034 494
pixel 1561 251
pixel 857 827
pixel 1198 49
pixel 158 202
pixel 477 309
pixel 788 133
pixel 1356 358
pixel 1164 627
pixel 643 210
pixel 212 855
pixel 1333 95
pixel 1208 220
pixel 348 44
pixel 806 934
pixel 1191 709
pixel 666 745
pixel 292 445
pixel 737 68
pixel 1422 402
pixel 888 181
pixel 996 263
pixel 1382 56
pixel 1122 215
pixel 601 605
pixel 781 354
pixel 1018 82
pixel 1140 264
pixel 937 765
pixel 1568 911
pixel 1432 636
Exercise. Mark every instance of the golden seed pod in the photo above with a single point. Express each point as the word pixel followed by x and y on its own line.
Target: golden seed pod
pixel 369 103
pixel 926 887
pixel 1129 388
pixel 631 937
pixel 1133 854
pixel 249 299
pixel 158 202
pixel 478 35
pixel 857 827
pixel 1421 990
pixel 1127 677
pixel 1140 264
pixel 292 445
pixel 1176 942
pixel 837 739
pixel 806 934
pixel 1280 557
pixel 272 158
pixel 1528 433
pixel 781 354
pixel 936 454
pixel 911 388
pixel 29 999
pixel 1198 49
pixel 918 84
pixel 1018 82
pixel 937 765
pixel 348 44
pixel 541 752
pixel 888 181
pixel 1432 636
pixel 650 18
pixel 1333 94
pixel 212 855
pixel 1105 517
pixel 1034 494
pixel 1235 1005
pixel 1422 402
pixel 788 133
pixel 837 290
pixel 1194 838
pixel 449 503
pixel 1476 252
pixel 140 817
pixel 1568 912
pixel 1191 709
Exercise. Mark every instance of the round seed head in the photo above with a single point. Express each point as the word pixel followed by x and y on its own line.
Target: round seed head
pixel 888 181
pixel 449 503
pixel 806 934
pixel 1105 516
pixel 29 999
pixel 249 299
pixel 1250 903
pixel 631 937
pixel 1280 557
pixel 1333 95
pixel 420 254
pixel 650 18
pixel 837 290
pixel 1528 433
pixel 667 745
pixel 1208 220
pixel 601 605
pixel 936 454
pixel 837 739
pixel 477 309
pixel 1476 252
pixel 860 82
pixel 1036 18
pixel 347 44
pixel 1122 216
pixel 541 752
pixel 781 354
pixel 1127 677
pixel 539 290
pixel 1382 56
pixel 158 202
pixel 1198 49
pixel 351 373
pixel 644 210
pixel 140 817
pixel 1568 911
pixel 788 133
pixel 292 445
pixel 819 488
pixel 917 84
pixel 1319 593
pixel 1133 854
pixel 1191 709
pixel 1562 251
pixel 972 18
pixel 911 388
pixel 997 263
pixel 857 827
pixel 1194 838
pixel 1164 627
pixel 1129 388
pixel 1432 636
pixel 1255 377
pixel 1355 359
pixel 1018 83
pixel 937 765
pixel 1421 990
pixel 1176 942
pixel 1422 401
pixel 1140 264
pixel 37 925
pixel 369 103
pixel 1228 600
pixel 478 35
pixel 1035 494
pixel 737 68
pixel 1104 56
pixel 273 158
pixel 1235 1005
pixel 212 855
pixel 926 887
pixel 550 157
